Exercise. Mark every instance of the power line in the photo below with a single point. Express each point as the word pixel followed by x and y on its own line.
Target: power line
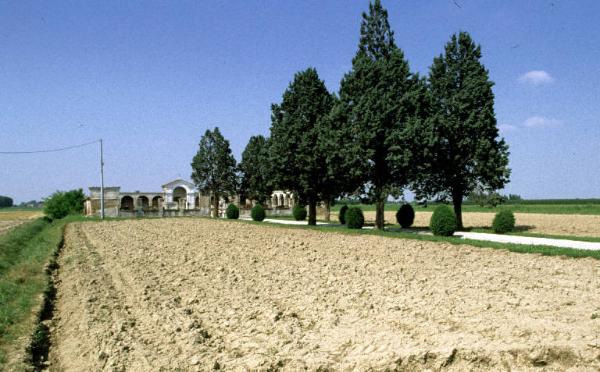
pixel 51 150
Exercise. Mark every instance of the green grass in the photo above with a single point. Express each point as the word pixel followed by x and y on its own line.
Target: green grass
pixel 520 248
pixel 559 207
pixel 24 251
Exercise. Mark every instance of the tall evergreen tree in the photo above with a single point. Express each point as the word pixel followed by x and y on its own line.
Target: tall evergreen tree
pixel 461 136
pixel 340 161
pixel 378 97
pixel 297 164
pixel 254 168
pixel 214 168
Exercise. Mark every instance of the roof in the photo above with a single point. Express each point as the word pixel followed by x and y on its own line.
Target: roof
pixel 178 182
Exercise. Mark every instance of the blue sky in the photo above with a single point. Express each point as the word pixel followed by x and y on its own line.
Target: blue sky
pixel 150 77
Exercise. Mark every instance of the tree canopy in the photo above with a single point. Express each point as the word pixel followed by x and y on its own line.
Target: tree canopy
pixel 378 98
pixel 5 201
pixel 214 167
pixel 62 203
pixel 460 137
pixel 297 163
pixel 254 168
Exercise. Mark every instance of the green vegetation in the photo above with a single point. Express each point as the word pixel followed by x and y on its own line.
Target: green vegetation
pixel 24 252
pixel 460 136
pixel 297 128
pixel 258 213
pixel 299 212
pixel 354 218
pixel 232 212
pixel 443 221
pixel 405 216
pixel 61 204
pixel 342 214
pixel 255 173
pixel 5 202
pixel 380 99
pixel 504 222
pixel 214 168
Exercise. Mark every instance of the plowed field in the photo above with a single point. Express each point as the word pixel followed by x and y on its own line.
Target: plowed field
pixel 553 224
pixel 197 294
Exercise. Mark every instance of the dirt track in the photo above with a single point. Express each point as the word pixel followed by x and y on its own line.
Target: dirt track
pixel 553 224
pixel 196 294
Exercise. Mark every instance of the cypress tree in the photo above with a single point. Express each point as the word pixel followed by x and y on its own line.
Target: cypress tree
pixel 254 169
pixel 297 164
pixel 460 139
pixel 214 168
pixel 378 100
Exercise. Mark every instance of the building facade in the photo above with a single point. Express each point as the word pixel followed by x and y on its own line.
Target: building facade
pixel 177 198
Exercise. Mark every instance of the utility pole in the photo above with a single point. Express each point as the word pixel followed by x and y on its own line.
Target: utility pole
pixel 102 181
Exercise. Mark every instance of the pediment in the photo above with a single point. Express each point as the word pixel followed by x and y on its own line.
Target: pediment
pixel 179 182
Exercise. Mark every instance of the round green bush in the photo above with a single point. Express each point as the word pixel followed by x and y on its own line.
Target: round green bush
pixel 405 216
pixel 232 212
pixel 354 218
pixel 443 221
pixel 503 222
pixel 258 213
pixel 299 212
pixel 342 214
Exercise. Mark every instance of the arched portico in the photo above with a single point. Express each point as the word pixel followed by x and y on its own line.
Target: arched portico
pixel 127 203
pixel 157 202
pixel 179 194
pixel 143 202
pixel 180 197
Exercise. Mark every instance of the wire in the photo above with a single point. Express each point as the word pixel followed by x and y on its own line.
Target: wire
pixel 51 150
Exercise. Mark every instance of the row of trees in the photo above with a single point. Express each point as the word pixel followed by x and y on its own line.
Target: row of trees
pixel 387 130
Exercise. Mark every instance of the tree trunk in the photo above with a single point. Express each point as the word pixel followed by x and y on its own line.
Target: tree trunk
pixel 379 213
pixel 216 206
pixel 327 210
pixel 312 212
pixel 457 202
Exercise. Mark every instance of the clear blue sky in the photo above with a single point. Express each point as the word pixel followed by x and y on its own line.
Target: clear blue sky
pixel 150 77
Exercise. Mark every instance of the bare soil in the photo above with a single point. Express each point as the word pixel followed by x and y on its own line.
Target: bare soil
pixel 198 294
pixel 11 219
pixel 552 224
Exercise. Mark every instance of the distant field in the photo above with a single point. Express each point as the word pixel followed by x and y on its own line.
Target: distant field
pixel 567 206
pixel 19 214
pixel 10 218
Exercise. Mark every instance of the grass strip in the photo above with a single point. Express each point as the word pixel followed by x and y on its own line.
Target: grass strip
pixel 24 284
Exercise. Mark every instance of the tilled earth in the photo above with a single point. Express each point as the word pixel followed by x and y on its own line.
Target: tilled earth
pixel 199 294
pixel 540 223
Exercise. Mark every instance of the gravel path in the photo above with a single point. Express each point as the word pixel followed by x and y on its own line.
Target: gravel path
pixel 511 239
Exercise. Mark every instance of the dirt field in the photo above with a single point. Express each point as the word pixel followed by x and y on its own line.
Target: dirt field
pixel 553 224
pixel 196 294
pixel 11 219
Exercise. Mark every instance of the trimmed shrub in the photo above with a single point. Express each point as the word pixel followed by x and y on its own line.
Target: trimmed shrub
pixel 503 222
pixel 299 212
pixel 342 214
pixel 232 212
pixel 354 218
pixel 443 221
pixel 405 215
pixel 258 213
